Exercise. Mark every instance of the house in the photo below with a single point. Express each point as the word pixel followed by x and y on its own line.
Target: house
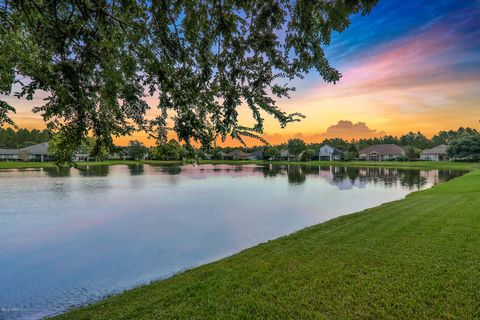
pixel 329 153
pixel 256 155
pixel 298 157
pixel 381 152
pixel 81 157
pixel 120 154
pixel 8 154
pixel 37 152
pixel 284 155
pixel 439 153
pixel 237 155
pixel 207 156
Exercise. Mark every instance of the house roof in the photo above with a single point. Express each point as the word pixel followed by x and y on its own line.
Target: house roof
pixel 40 149
pixel 257 153
pixel 336 151
pixel 237 153
pixel 383 149
pixel 441 149
pixel 8 151
pixel 284 153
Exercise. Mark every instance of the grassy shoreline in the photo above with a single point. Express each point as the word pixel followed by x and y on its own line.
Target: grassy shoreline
pixel 412 258
pixel 385 164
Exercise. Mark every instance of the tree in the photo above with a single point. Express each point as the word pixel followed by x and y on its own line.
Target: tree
pixel 295 146
pixel 202 58
pixel 308 154
pixel 271 153
pixel 187 152
pixel 137 150
pixel 168 151
pixel 411 153
pixel 24 155
pixel 465 148
pixel 217 155
pixel 15 139
pixel 350 154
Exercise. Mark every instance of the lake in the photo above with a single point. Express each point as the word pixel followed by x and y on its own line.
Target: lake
pixel 70 237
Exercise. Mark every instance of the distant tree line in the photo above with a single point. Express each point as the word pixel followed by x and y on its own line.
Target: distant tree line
pixel 15 139
pixel 464 143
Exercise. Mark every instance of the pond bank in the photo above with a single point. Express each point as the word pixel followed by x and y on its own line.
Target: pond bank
pixel 413 258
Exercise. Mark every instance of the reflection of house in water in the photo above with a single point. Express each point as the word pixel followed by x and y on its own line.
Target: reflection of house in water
pixel 346 178
pixel 343 178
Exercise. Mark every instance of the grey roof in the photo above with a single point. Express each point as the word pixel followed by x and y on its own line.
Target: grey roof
pixel 237 153
pixel 38 149
pixel 383 149
pixel 8 151
pixel 41 148
pixel 441 149
pixel 257 153
pixel 284 153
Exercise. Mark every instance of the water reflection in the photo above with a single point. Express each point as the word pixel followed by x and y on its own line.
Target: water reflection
pixel 94 171
pixel 56 172
pixel 345 178
pixel 136 169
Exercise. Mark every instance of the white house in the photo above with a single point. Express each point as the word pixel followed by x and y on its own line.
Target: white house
pixel 329 153
pixel 284 155
pixel 439 153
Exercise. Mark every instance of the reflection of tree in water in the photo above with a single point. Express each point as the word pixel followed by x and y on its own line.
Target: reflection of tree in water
pixel 136 169
pixel 94 171
pixel 296 174
pixel 444 175
pixel 57 172
pixel 412 178
pixel 171 170
pixel 272 170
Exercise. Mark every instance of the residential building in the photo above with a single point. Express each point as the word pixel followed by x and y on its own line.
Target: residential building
pixel 439 153
pixel 382 152
pixel 37 152
pixel 256 155
pixel 237 155
pixel 329 153
pixel 284 155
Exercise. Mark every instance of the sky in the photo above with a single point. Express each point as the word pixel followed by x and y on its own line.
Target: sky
pixel 407 66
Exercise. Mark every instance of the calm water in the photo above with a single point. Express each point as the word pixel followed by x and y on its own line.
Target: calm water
pixel 69 237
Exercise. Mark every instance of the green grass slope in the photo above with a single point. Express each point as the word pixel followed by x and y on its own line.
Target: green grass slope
pixel 414 258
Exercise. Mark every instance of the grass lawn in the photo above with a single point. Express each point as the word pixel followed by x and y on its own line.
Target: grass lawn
pixel 409 259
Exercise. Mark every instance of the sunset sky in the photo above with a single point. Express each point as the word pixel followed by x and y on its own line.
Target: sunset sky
pixel 408 66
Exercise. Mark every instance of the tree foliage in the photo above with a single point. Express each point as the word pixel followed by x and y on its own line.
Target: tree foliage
pixel 167 151
pixel 465 148
pixel 203 59
pixel 136 150
pixel 295 146
pixel 15 139
pixel 308 154
pixel 271 153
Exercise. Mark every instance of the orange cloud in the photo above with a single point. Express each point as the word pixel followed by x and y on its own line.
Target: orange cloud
pixel 347 130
